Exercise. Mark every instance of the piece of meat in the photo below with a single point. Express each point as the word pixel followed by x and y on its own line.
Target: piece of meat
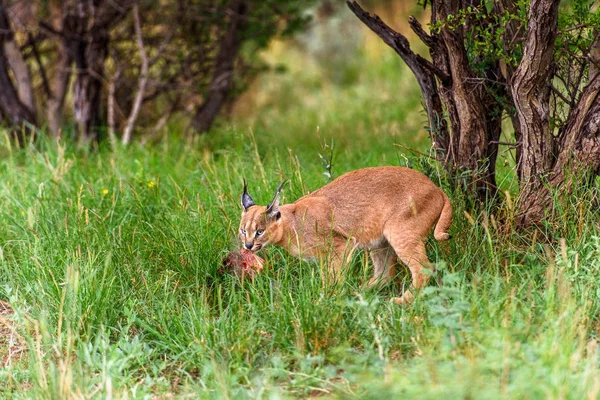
pixel 243 263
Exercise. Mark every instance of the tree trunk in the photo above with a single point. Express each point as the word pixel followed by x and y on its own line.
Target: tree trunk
pixel 19 68
pixel 474 98
pixel 58 89
pixel 62 72
pixel 21 73
pixel 530 88
pixel 469 149
pixel 11 106
pixel 466 101
pixel 88 39
pixel 222 79
pixel 89 61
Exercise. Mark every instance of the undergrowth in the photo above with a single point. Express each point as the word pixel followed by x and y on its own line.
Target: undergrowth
pixel 110 261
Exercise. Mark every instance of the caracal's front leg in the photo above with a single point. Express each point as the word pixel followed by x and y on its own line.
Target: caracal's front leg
pixel 338 254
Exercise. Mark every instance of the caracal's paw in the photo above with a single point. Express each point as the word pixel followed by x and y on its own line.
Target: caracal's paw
pixel 377 282
pixel 406 299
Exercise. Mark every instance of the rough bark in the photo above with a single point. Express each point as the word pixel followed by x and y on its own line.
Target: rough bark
pixel 222 80
pixel 530 88
pixel 469 130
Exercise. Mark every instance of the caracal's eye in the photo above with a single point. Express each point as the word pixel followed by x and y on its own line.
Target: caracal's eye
pixel 260 232
pixel 243 232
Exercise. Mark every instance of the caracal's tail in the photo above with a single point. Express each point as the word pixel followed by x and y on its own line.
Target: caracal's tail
pixel 441 228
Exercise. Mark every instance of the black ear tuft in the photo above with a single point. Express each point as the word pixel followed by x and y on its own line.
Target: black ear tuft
pixel 247 201
pixel 273 207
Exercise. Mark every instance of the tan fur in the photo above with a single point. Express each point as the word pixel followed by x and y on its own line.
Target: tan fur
pixel 387 210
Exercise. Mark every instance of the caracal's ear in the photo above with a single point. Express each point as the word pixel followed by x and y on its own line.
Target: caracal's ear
pixel 247 201
pixel 273 207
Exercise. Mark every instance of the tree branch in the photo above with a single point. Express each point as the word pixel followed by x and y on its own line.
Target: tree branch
pixel 418 29
pixel 139 96
pixel 11 107
pixel 19 67
pixel 395 40
pixel 574 128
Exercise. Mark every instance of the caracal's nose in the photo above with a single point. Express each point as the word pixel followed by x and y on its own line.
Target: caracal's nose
pixel 249 245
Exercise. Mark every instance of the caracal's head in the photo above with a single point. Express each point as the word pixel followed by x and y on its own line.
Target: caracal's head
pixel 260 225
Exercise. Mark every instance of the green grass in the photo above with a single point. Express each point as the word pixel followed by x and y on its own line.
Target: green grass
pixel 110 260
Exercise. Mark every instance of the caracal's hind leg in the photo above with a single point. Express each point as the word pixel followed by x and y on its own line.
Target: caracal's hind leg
pixel 411 251
pixel 384 259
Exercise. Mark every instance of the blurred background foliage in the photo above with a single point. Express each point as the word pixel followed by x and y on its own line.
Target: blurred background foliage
pixel 335 80
pixel 81 67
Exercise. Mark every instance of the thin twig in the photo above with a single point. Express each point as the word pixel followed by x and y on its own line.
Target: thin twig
pixel 512 144
pixel 414 151
pixel 418 29
pixel 572 28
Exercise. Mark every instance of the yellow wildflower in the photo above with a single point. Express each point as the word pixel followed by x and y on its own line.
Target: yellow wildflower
pixel 104 191
pixel 151 184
